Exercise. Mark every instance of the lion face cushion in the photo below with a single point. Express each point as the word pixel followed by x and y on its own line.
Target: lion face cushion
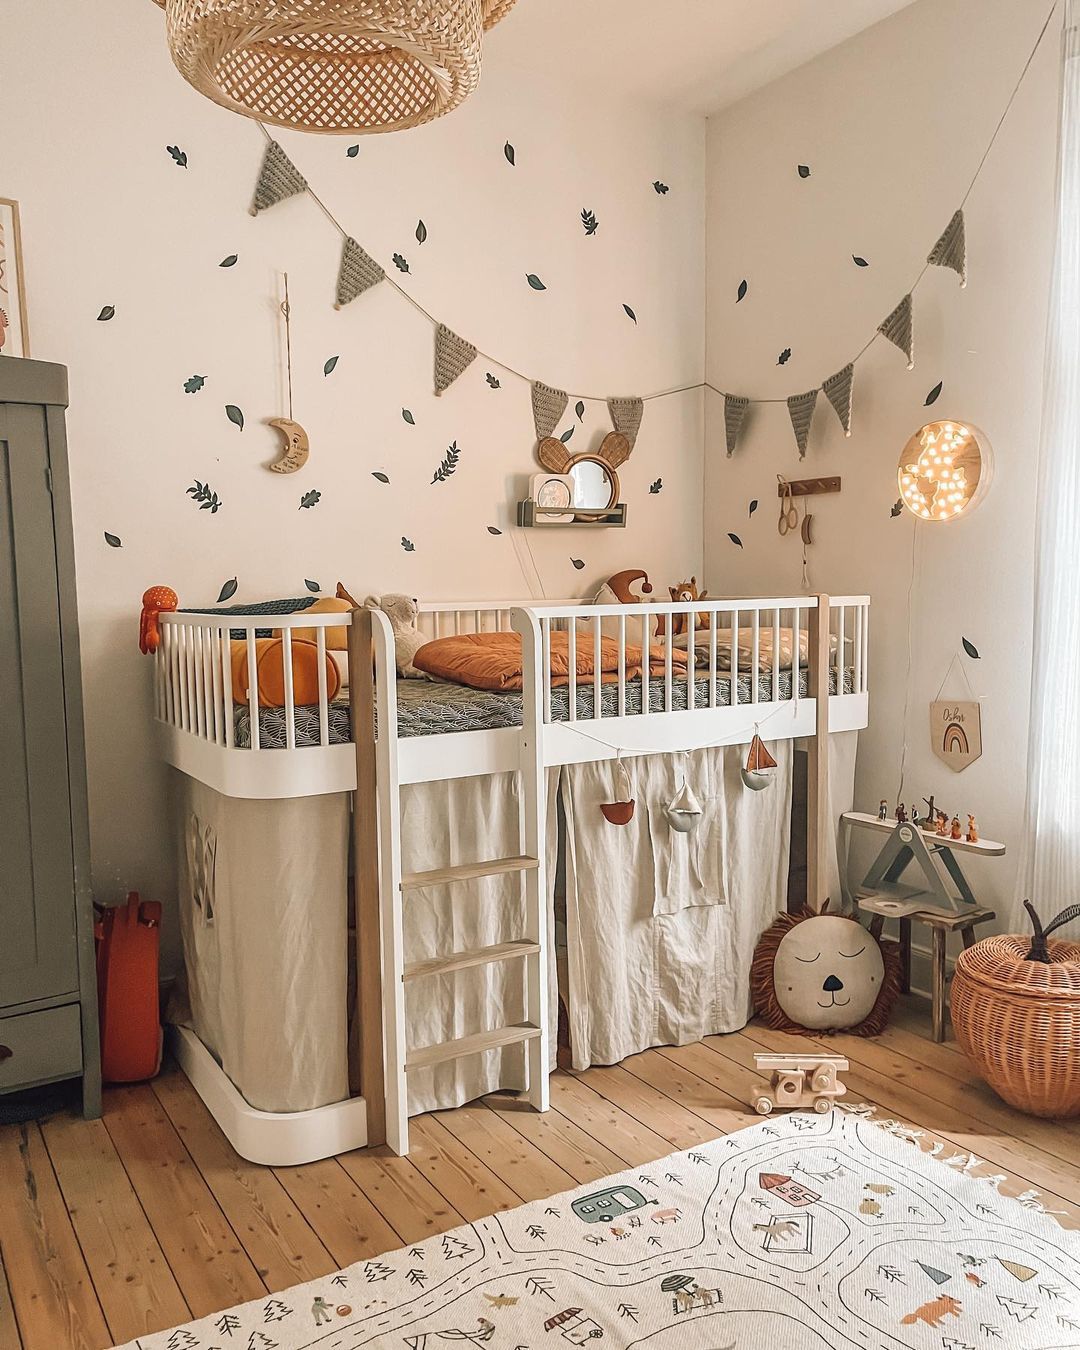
pixel 817 973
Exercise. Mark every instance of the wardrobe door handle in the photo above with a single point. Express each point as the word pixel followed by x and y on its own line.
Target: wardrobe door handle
pixel 6 1052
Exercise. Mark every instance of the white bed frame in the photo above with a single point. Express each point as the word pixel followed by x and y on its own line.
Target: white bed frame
pixel 195 713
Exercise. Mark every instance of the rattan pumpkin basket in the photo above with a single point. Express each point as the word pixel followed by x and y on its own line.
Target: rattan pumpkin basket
pixel 1015 1005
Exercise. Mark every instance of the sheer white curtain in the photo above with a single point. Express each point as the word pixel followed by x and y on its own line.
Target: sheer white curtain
pixel 1050 862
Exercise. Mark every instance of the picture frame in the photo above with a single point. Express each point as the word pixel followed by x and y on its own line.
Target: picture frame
pixel 14 327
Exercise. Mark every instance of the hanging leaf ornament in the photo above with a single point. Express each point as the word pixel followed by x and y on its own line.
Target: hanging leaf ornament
pixel 233 413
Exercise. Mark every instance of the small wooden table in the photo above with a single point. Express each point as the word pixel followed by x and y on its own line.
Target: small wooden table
pixel 884 896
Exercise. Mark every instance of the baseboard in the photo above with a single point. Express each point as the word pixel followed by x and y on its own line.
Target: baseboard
pixel 274 1139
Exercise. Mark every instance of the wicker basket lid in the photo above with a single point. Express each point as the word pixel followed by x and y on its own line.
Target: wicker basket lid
pixel 999 963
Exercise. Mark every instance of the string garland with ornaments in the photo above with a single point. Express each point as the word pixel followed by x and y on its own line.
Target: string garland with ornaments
pixel 358 273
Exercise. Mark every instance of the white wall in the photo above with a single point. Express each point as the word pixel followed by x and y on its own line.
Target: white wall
pixel 89 103
pixel 892 125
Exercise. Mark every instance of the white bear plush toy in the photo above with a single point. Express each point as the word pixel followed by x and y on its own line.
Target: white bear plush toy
pixel 402 610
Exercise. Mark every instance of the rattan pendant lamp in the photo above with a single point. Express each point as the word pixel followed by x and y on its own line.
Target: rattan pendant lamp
pixel 344 67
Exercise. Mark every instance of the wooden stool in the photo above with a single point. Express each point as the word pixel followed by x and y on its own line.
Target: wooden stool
pixel 941 923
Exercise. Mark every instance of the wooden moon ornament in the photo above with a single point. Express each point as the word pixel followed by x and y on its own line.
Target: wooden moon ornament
pixel 297 447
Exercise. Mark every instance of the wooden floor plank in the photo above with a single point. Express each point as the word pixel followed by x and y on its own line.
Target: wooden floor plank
pixel 651 1107
pixel 282 1245
pixel 527 1170
pixel 54 1297
pixel 208 1260
pixel 348 1224
pixel 574 1096
pixel 134 1284
pixel 723 1112
pixel 9 1326
pixel 576 1152
pixel 401 1193
pixel 473 1189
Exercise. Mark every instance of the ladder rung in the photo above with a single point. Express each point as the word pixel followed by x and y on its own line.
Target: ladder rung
pixel 412 881
pixel 470 1045
pixel 479 956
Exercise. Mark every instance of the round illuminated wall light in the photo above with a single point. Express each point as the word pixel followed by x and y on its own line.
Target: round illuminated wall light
pixel 944 470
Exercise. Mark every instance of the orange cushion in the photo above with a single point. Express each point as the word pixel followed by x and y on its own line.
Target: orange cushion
pixel 337 638
pixel 270 668
pixel 493 660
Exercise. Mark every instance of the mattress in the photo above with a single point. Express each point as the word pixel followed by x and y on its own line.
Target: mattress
pixel 433 708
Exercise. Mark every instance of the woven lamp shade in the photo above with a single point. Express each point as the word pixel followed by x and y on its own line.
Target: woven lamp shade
pixel 345 67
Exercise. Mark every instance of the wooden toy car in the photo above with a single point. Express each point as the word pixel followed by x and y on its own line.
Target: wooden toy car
pixel 799 1081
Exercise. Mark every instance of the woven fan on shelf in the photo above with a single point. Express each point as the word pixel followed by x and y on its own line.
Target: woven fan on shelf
pixel 349 67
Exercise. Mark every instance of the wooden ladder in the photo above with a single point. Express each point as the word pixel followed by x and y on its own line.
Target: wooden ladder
pixel 382 891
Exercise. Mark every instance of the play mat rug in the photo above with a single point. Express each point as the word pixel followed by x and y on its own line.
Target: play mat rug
pixel 801 1233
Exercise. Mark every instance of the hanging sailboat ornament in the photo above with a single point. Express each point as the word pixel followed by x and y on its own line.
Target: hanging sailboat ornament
pixel 620 812
pixel 758 770
pixel 297 446
pixel 684 810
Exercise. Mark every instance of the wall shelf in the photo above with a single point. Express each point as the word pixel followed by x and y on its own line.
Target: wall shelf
pixel 536 517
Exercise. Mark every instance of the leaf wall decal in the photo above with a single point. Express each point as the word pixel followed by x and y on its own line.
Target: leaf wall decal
pixel 566 435
pixel 753 508
pixel 661 189
pixel 310 499
pixel 380 477
pixel 492 529
pixel 353 151
pixel 229 261
pixel 784 357
pixel 656 487
pixel 933 395
pixel 407 416
pixel 179 156
pixel 970 648
pixel 408 545
pixel 194 383
pixel 421 232
pixel 804 170
pixel 227 591
pixel 312 585
pixel 897 508
pixel 589 222
pixel 448 465
pixel 107 312
pixel 535 282
pixel 113 540
pixel 630 312
pixel 859 262
pixel 579 408
pixel 508 151
pixel 735 539
pixel 400 263
pixel 740 294
pixel 329 364
pixel 233 413
pixel 578 563
pixel 493 383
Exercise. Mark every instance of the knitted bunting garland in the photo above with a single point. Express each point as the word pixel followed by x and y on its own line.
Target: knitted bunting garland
pixel 548 406
pixel 626 414
pixel 838 390
pixel 278 178
pixel 951 249
pixel 735 407
pixel 801 411
pixel 357 273
pixel 452 355
pixel 899 329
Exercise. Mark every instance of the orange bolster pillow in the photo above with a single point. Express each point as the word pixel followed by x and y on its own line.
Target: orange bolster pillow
pixel 270 670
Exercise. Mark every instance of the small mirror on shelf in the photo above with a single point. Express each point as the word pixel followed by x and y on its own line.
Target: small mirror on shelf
pixel 596 486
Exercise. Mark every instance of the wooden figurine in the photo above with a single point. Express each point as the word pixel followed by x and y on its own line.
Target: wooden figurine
pixel 942 830
pixel 972 830
pixel 915 816
pixel 883 810
pixel 799 1081
pixel 956 832
pixel 901 814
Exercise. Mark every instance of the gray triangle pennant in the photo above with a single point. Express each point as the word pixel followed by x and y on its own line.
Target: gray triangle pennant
pixel 838 390
pixel 357 273
pixel 548 406
pixel 626 414
pixel 278 178
pixel 801 411
pixel 951 249
pixel 735 407
pixel 899 328
pixel 452 355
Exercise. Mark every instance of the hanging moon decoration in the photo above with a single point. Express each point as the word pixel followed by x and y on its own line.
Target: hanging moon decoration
pixel 297 447
pixel 359 66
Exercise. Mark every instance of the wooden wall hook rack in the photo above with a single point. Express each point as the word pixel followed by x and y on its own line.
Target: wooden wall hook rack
pixel 807 487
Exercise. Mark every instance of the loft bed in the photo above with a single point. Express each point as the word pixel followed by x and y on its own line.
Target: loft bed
pixel 818 683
